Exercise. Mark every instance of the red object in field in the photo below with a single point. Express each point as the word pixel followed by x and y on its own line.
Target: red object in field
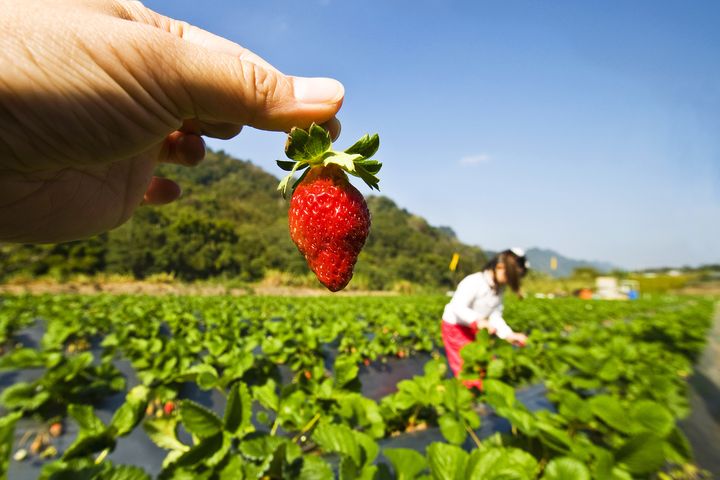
pixel 585 294
pixel 455 337
pixel 56 429
pixel 169 407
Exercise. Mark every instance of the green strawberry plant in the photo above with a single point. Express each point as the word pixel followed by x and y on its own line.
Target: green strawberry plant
pixel 16 316
pixel 97 438
pixel 7 430
pixel 66 379
pixel 432 399
pixel 492 357
pixel 449 462
pixel 615 372
pixel 228 447
pixel 299 405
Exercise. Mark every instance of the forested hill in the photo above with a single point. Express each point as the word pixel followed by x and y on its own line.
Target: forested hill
pixel 231 222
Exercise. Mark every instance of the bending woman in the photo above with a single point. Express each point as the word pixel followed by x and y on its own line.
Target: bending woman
pixel 478 303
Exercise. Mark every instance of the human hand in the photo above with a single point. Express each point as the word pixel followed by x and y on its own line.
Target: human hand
pixel 518 339
pixel 484 324
pixel 94 93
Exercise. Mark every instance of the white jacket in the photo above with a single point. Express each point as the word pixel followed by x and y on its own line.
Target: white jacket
pixel 476 299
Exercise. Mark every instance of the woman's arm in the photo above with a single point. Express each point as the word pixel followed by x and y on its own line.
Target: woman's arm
pixel 496 320
pixel 503 330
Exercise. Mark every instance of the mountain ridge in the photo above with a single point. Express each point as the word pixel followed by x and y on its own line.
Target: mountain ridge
pixel 540 260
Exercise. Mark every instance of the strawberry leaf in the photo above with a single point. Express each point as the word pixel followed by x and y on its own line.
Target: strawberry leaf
pixel 313 147
pixel 131 412
pixel 286 181
pixel 371 180
pixel 319 138
pixel 344 160
pixel 295 146
pixel 366 147
pixel 371 166
pixel 307 145
pixel 198 420
pixel 286 165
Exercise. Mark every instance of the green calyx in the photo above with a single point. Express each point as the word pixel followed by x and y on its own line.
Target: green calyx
pixel 313 147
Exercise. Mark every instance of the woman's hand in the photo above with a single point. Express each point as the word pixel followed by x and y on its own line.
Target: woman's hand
pixel 484 324
pixel 94 93
pixel 516 338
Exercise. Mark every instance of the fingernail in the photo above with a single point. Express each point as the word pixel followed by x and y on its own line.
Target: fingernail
pixel 318 90
pixel 334 127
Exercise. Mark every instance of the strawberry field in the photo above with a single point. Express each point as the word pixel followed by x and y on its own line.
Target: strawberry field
pixel 263 387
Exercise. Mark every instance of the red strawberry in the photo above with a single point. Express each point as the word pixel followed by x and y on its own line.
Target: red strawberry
pixel 168 407
pixel 329 222
pixel 329 219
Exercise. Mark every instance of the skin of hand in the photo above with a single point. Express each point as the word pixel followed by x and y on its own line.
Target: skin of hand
pixel 95 93
pixel 519 339
pixel 483 323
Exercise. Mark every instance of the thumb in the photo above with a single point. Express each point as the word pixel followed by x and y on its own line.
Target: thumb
pixel 219 87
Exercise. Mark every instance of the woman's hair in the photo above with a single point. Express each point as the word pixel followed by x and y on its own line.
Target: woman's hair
pixel 515 268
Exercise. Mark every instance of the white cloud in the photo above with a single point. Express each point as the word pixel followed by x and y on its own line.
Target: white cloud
pixel 475 159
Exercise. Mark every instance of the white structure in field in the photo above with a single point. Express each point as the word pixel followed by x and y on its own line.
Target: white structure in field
pixel 608 288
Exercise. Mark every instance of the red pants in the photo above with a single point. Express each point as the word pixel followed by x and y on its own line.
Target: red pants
pixel 455 337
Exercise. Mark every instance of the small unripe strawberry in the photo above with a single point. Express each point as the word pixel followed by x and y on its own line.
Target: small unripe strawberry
pixel 328 218
pixel 37 444
pixel 49 452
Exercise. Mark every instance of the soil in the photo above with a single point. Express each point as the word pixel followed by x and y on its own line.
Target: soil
pixel 91 287
pixel 706 288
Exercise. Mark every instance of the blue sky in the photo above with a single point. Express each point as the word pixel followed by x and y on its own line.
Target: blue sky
pixel 592 128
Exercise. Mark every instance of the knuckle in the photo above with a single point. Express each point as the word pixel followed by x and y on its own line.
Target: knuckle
pixel 263 84
pixel 178 28
pixel 132 10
